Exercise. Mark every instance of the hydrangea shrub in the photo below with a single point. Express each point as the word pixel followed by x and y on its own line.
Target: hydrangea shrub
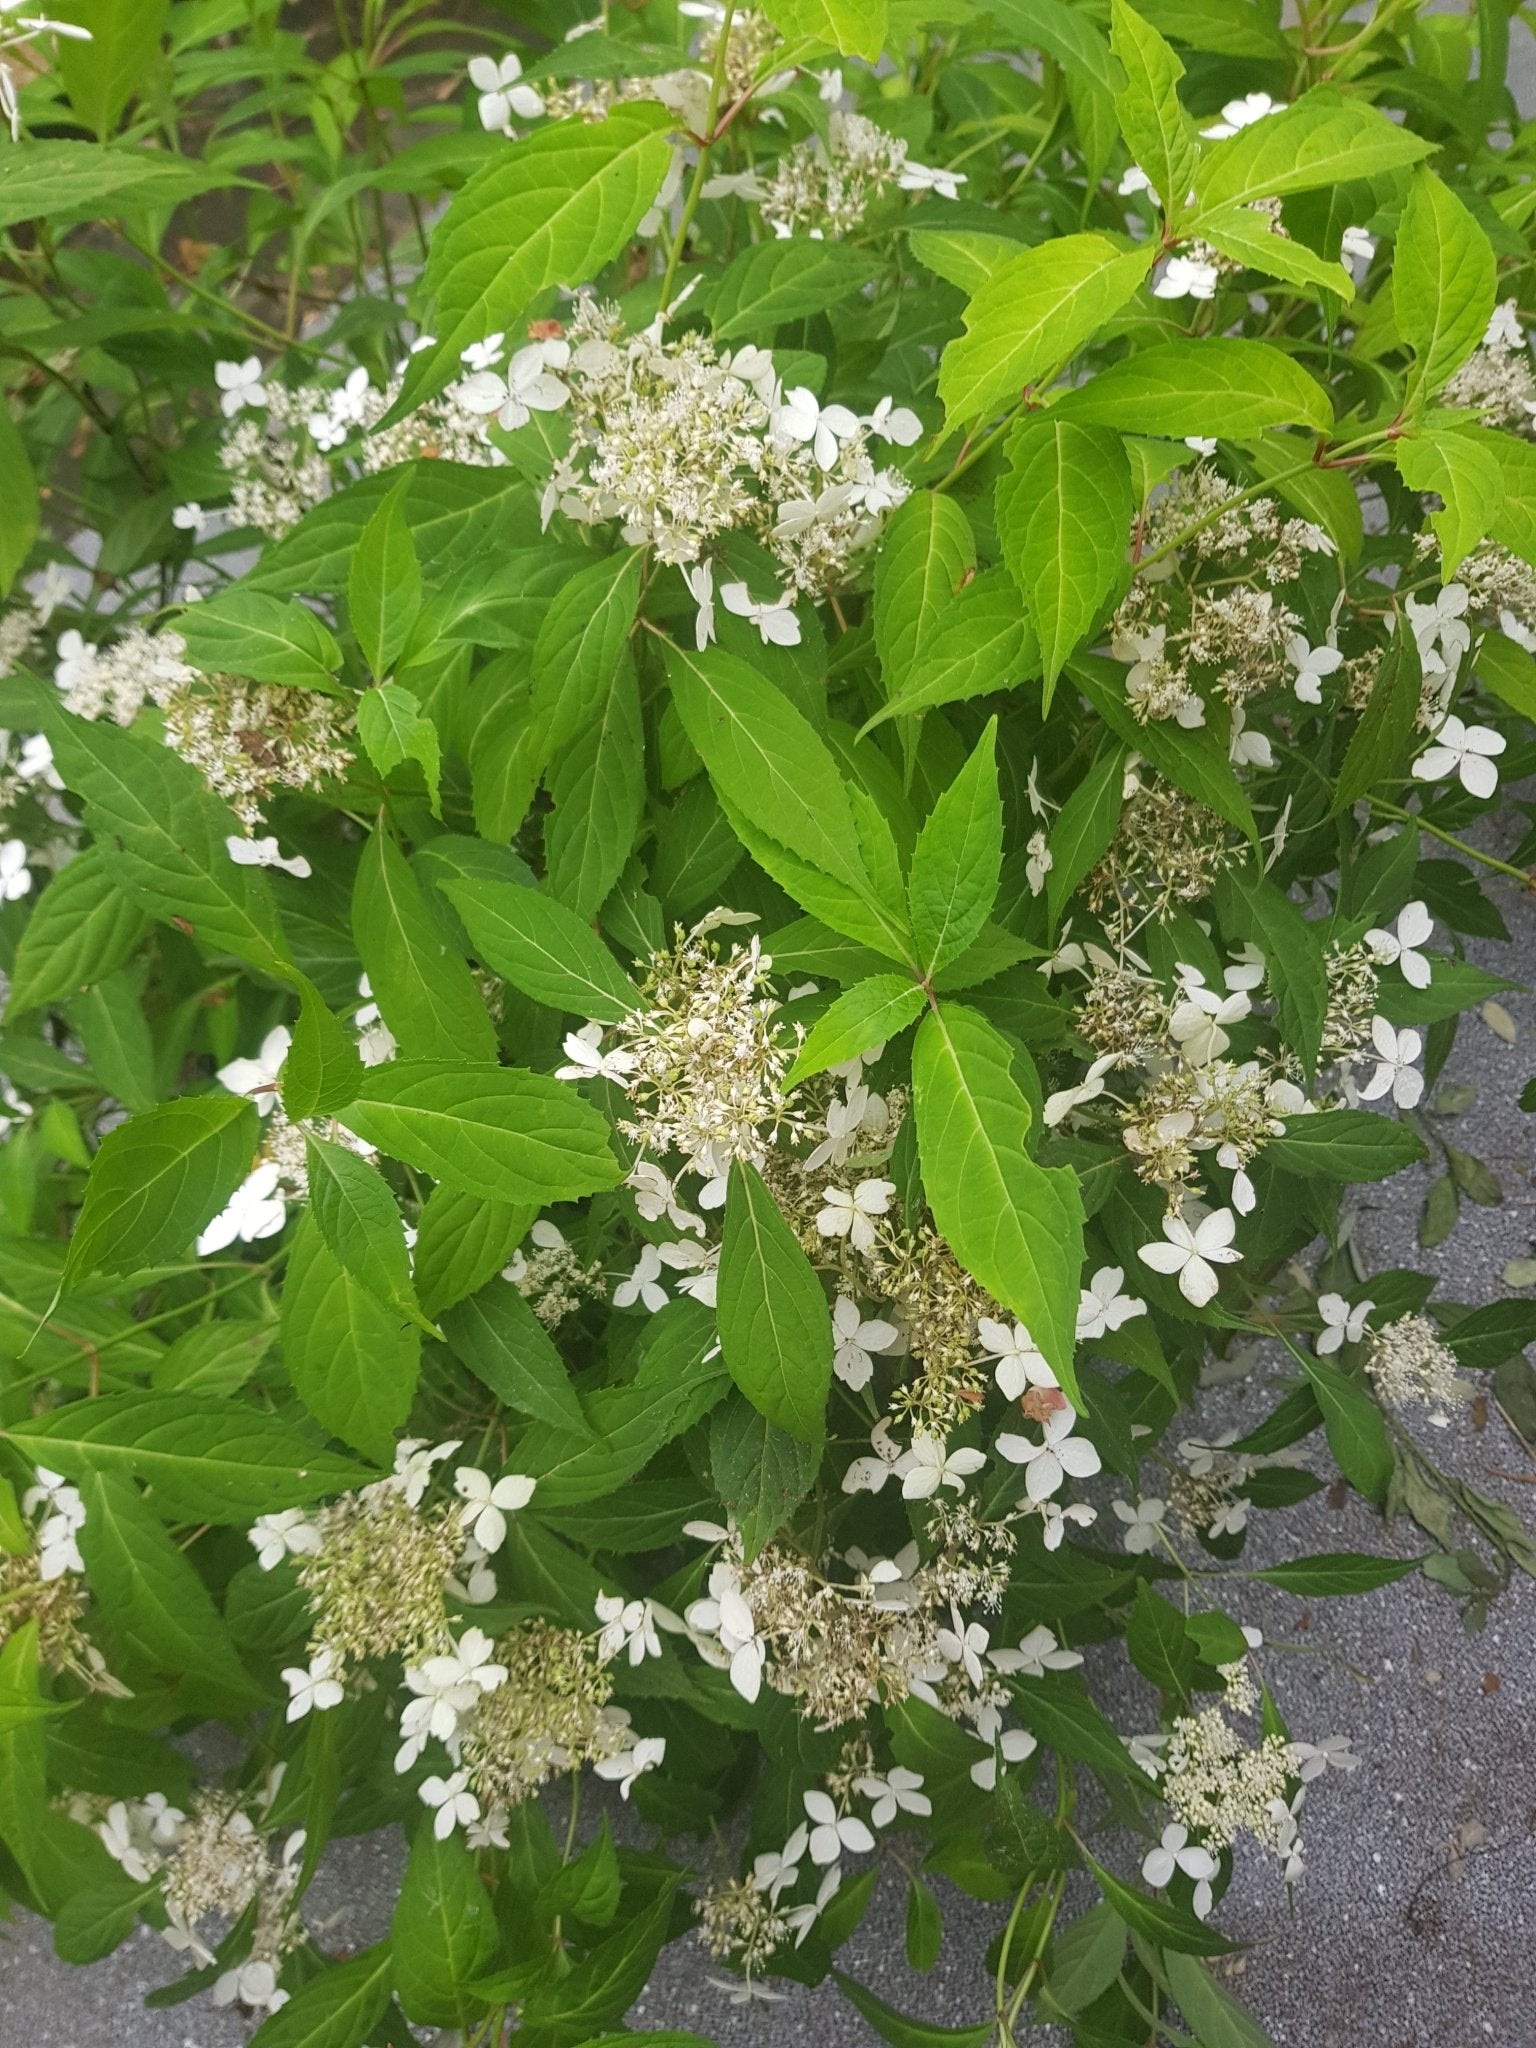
pixel 739 755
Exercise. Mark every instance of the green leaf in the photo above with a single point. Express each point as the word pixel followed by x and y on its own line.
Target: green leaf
pixel 1444 282
pixel 1345 1144
pixel 213 1358
pixel 443 1933
pixel 775 1325
pixel 1084 827
pixel 854 913
pixel 1193 760
pixel 856 28
pixel 867 1014
pixel 1338 1572
pixel 22 502
pixel 582 640
pixel 1469 481
pixel 361 1225
pixel 1357 1434
pixel 1032 317
pixel 461 1242
pixel 1217 2018
pixel 1063 519
pixel 498 1336
pixel 1015 1225
pixel 352 1357
pixel 200 1458
pixel 1086 1958
pixel 384 583
pixel 926 550
pixel 1184 387
pixel 393 728
pixel 497 1132
pixel 157 1613
pixel 1159 1645
pixel 901 2032
pixel 958 860
pixel 102 74
pixel 1157 131
pixel 54 179
pixel 1160 1920
pixel 771 282
pixel 156 1181
pixel 424 990
pixel 966 257
pixel 1325 139
pixel 1254 908
pixel 602 1987
pixel 82 928
pixel 550 209
pixel 598 786
pixel 981 641
pixel 543 948
pixel 760 1472
pixel 590 1887
pixel 322 1072
pixel 1062 1714
pixel 1492 1334
pixel 925 1926
pixel 110 1023
pixel 1387 725
pixel 339 2009
pixel 271 639
pixel 1253 239
pixel 1074 39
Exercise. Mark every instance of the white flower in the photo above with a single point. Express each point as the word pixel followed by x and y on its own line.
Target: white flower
pixel 1136 180
pixel 1102 1306
pixel 1357 245
pixel 500 94
pixel 489 1831
pixel 891 422
pixel 15 876
pixel 868 1475
pixel 1054 1520
pixel 164 1820
pixel 1186 277
pixel 774 619
pixel 832 1832
pixel 1242 113
pixel 254 1211
pixel 1396 1052
pixel 456 1805
pixel 803 418
pixel 257 1077
pixel 1016 1744
pixel 776 1870
pixel 931 1464
pixel 1194 1254
pixel 264 853
pixel 626 1625
pixel 734 185
pixel 964 1644
pixel 1466 751
pixel 700 579
pixel 852 1215
pixel 486 1507
pixel 1038 862
pixel 656 1196
pixel 239 385
pixel 1143 1524
pixel 116 1836
pixel 1020 1361
pixel 414 1463
pixel 252 1983
pixel 289 1533
pixel 1038 1652
pixel 1175 1852
pixel 526 388
pixel 315 1687
pixel 1058 1457
pixel 35 762
pixel 644 1283
pixel 1311 665
pixel 630 1764
pixel 1090 1088
pixel 725 1614
pixel 76 659
pixel 855 1340
pixel 484 355
pixel 57 1550
pixel 1310 1760
pixel 1341 1323
pixel 1442 620
pixel 189 518
pixel 588 1062
pixel 1504 329
pixel 1247 749
pixel 898 1790
pixel 914 177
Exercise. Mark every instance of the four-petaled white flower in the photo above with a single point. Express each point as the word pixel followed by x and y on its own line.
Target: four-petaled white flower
pixel 15 875
pixel 188 518
pixel 1465 751
pixel 700 579
pixel 777 1869
pixel 1311 665
pixel 415 1462
pixel 588 1062
pixel 935 178
pixel 868 1475
pixel 486 1506
pixel 725 1614
pixel 1186 277
pixel 964 1643
pixel 853 1215
pixel 1195 1253
pixel 892 422
pixel 1342 1324
pixel 1414 927
pixel 831 1831
pixel 626 1625
pixel 897 1790
pixel 1103 1306
pixel 1038 1652
pixel 254 1211
pixel 257 1077
pixel 1176 1852
pixel 288 1533
pixel 457 1806
pixel 239 385
pixel 1054 1520
pixel 1020 1361
pixel 484 355
pixel 1143 1524
pixel 1015 1744
pixel 1236 114
pixel 501 96
pixel 265 853
pixel 1089 1089
pixel 1309 1760
pixel 1395 1072
pixel 252 1983
pixel 1059 1456
pixel 856 1342
pixel 803 418
pixel 774 618
pixel 526 388
pixel 644 1283
pixel 75 659
pixel 631 1763
pixel 931 1464
pixel 316 1687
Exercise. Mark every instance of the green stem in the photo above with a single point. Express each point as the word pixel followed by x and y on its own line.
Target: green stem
pixel 1521 875
pixel 701 168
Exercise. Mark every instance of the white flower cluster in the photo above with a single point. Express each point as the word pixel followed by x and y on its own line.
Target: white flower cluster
pixel 824 189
